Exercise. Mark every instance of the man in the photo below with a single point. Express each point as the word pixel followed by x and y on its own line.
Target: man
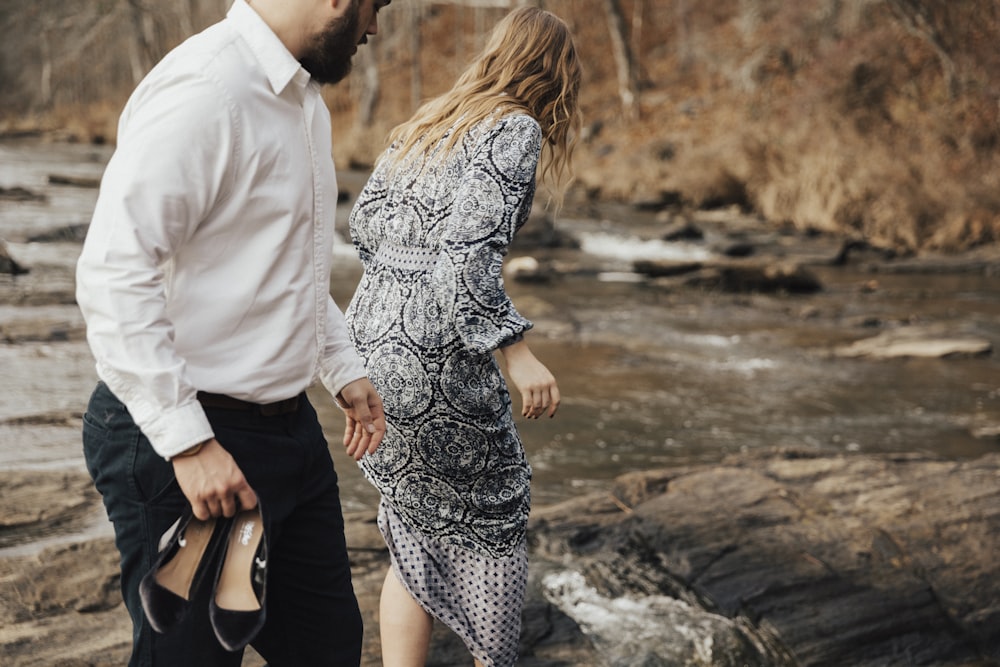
pixel 204 281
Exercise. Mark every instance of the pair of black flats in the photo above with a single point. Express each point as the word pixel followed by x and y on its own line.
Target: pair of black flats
pixel 236 551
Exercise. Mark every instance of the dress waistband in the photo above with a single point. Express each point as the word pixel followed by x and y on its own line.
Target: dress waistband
pixel 407 258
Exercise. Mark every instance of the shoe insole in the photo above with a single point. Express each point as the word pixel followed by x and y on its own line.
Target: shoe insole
pixel 177 574
pixel 235 588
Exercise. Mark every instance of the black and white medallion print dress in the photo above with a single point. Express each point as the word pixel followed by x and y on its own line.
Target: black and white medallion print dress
pixel 427 315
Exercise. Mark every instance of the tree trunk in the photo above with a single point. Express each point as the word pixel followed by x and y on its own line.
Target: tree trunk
pixel 370 86
pixel 623 59
pixel 45 85
pixel 140 48
pixel 416 81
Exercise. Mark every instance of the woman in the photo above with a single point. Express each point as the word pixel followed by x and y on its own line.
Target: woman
pixel 432 226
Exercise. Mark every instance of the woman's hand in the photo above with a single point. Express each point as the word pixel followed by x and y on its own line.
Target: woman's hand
pixel 539 392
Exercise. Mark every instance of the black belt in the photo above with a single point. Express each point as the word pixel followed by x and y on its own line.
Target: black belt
pixel 224 402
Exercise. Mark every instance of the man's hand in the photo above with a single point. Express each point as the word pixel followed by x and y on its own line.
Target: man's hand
pixel 365 425
pixel 213 483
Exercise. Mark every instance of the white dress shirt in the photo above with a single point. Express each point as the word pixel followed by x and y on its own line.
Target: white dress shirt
pixel 207 263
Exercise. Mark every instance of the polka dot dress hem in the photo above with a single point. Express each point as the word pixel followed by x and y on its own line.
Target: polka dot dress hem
pixel 478 597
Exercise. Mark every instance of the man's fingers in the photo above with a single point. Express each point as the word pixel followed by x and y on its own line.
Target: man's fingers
pixel 348 430
pixel 200 511
pixel 352 447
pixel 247 498
pixel 356 446
pixel 228 505
pixel 364 416
pixel 376 439
pixel 214 506
pixel 371 428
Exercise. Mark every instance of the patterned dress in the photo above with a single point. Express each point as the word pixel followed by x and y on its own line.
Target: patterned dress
pixel 427 315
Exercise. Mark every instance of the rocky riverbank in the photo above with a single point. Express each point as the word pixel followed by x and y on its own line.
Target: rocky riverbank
pixel 783 558
pixel 61 605
pixel 829 552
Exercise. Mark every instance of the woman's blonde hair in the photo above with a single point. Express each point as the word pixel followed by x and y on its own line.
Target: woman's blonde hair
pixel 529 64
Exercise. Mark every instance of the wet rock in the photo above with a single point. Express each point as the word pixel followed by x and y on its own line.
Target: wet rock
pixel 917 342
pixel 737 249
pixel 528 270
pixel 823 560
pixel 90 639
pixel 989 431
pixel 549 637
pixel 655 268
pixel 8 264
pixel 652 630
pixel 856 251
pixel 38 503
pixel 83 577
pixel 20 194
pixel 74 181
pixel 683 230
pixel 73 233
pixel 540 231
pixel 766 277
pixel 656 201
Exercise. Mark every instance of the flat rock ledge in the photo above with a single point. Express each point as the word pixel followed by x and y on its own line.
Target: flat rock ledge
pixel 918 342
pixel 784 559
pixel 779 559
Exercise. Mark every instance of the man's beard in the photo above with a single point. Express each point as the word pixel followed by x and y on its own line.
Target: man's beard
pixel 328 57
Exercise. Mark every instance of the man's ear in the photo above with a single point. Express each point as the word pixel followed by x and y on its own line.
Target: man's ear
pixel 339 6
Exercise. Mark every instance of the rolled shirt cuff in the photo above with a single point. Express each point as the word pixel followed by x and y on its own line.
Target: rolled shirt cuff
pixel 177 430
pixel 342 374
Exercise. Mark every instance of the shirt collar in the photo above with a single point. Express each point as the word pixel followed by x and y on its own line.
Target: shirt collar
pixel 279 65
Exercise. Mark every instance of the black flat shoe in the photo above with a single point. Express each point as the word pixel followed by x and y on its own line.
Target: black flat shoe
pixel 186 555
pixel 237 605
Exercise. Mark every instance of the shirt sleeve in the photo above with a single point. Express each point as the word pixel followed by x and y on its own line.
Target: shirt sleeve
pixel 176 141
pixel 341 363
pixel 492 202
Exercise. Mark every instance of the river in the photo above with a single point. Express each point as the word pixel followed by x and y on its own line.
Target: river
pixel 651 375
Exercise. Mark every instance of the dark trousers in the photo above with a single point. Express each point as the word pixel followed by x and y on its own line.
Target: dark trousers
pixel 312 613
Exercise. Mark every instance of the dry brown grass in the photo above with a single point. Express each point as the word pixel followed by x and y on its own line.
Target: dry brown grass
pixel 837 116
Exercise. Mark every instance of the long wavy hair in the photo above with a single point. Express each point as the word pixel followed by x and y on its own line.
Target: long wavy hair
pixel 529 64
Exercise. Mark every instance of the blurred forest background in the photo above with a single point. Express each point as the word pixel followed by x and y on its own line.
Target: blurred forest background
pixel 875 119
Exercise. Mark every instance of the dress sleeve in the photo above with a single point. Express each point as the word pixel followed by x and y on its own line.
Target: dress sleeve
pixel 492 202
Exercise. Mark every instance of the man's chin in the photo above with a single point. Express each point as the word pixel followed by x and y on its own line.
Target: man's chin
pixel 330 76
pixel 340 76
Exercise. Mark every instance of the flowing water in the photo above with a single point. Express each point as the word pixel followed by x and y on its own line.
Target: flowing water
pixel 651 375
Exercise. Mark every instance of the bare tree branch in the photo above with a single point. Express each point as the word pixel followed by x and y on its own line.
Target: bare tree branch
pixel 915 16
